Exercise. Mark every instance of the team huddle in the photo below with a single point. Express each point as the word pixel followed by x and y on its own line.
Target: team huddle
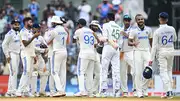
pixel 101 47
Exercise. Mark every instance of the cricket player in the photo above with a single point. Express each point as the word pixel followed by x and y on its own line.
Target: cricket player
pixel 50 54
pixel 11 49
pixel 126 57
pixel 95 26
pixel 162 48
pixel 60 37
pixel 141 39
pixel 85 37
pixel 28 56
pixel 40 67
pixel 110 53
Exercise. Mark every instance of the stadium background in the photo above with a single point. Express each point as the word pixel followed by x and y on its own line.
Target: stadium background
pixel 152 9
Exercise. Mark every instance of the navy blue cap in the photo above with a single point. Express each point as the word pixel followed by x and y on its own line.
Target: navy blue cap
pixel 163 15
pixel 15 21
pixel 82 22
pixel 147 73
pixel 36 25
pixel 126 17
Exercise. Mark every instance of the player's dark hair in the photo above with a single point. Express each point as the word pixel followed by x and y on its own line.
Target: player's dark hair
pixel 137 16
pixel 26 20
pixel 111 16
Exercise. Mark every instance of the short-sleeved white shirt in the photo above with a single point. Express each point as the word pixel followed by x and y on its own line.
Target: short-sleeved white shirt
pixel 26 34
pixel 59 37
pixel 86 40
pixel 125 46
pixel 111 31
pixel 141 36
pixel 163 40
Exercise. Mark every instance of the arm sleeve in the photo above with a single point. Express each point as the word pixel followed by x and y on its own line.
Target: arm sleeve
pixel 105 31
pixel 50 36
pixel 76 34
pixel 131 35
pixel 5 45
pixel 23 35
pixel 175 35
pixel 120 41
pixel 154 46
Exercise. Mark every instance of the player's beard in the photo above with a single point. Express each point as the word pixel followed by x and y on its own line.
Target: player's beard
pixel 29 26
pixel 141 25
pixel 16 28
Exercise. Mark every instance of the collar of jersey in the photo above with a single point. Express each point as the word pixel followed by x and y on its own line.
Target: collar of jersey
pixel 127 28
pixel 27 29
pixel 162 25
pixel 111 21
pixel 140 29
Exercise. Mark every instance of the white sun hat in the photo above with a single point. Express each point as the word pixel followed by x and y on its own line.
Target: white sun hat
pixel 56 19
pixel 116 2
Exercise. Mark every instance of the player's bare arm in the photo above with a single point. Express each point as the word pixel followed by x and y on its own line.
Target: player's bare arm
pixel 26 43
pixel 150 41
pixel 124 34
pixel 131 42
pixel 68 38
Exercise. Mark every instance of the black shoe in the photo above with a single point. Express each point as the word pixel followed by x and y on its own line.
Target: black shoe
pixel 141 97
pixel 169 94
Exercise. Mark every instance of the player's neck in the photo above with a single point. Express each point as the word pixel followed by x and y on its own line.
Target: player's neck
pixel 141 27
pixel 126 27
pixel 27 27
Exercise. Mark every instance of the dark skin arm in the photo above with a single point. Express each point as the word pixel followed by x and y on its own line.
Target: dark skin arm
pixel 131 42
pixel 26 43
pixel 150 41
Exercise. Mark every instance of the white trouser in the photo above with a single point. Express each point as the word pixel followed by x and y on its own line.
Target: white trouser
pixel 126 61
pixel 141 60
pixel 165 64
pixel 27 73
pixel 85 68
pixel 13 69
pixel 43 75
pixel 51 80
pixel 109 54
pixel 96 80
pixel 59 69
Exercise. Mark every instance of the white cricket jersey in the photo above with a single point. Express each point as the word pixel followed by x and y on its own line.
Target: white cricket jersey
pixel 163 40
pixel 141 36
pixel 86 40
pixel 125 46
pixel 111 31
pixel 11 43
pixel 50 46
pixel 29 50
pixel 38 41
pixel 59 37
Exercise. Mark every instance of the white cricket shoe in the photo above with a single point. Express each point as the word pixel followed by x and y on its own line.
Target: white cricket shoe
pixel 59 94
pixel 18 94
pixel 117 94
pixel 7 95
pixel 134 93
pixel 125 94
pixel 80 94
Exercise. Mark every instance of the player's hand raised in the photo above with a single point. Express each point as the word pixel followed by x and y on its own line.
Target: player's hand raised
pixel 124 34
pixel 37 34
